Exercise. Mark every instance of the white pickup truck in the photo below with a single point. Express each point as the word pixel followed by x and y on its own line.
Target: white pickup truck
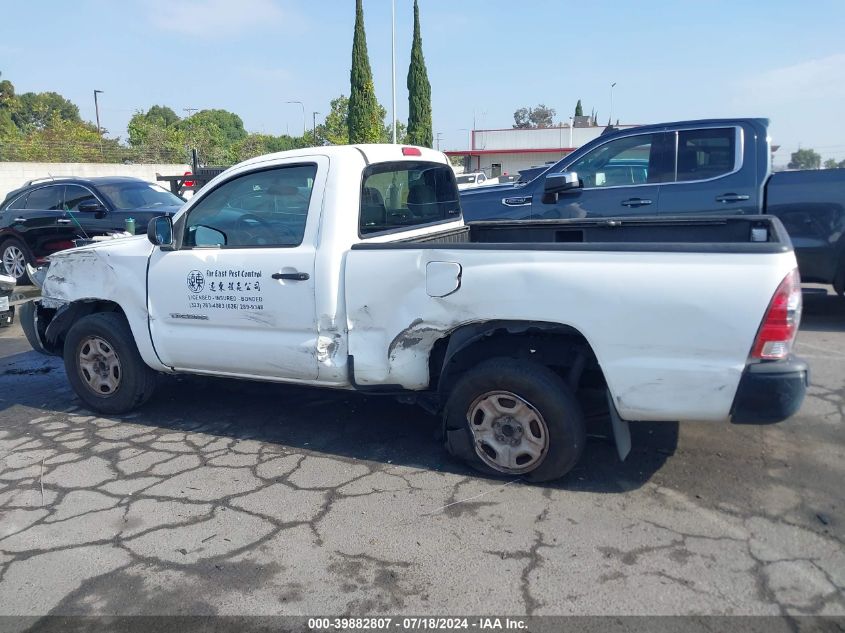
pixel 351 268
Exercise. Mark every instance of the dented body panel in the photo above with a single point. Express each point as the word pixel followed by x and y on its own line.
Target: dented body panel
pixel 671 331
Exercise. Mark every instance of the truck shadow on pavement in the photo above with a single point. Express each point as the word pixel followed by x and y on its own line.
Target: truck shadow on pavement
pixel 335 424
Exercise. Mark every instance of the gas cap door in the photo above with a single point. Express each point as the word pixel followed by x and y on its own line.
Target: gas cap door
pixel 442 278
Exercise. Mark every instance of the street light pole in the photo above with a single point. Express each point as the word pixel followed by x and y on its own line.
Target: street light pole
pixel 97 114
pixel 314 119
pixel 439 136
pixel 97 111
pixel 301 105
pixel 611 102
pixel 393 60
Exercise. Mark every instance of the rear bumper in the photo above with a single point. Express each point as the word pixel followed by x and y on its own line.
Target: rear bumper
pixel 770 392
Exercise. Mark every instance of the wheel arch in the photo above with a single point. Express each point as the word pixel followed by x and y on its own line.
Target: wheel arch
pixel 562 347
pixel 70 313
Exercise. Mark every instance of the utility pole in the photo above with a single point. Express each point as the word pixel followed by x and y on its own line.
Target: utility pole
pixel 314 123
pixel 439 135
pixel 301 105
pixel 190 111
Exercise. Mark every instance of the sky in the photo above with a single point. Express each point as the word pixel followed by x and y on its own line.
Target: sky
pixel 670 59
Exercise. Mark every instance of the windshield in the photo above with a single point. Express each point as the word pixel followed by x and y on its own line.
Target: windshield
pixel 140 195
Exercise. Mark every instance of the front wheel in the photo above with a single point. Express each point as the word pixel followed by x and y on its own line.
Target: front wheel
pixel 13 260
pixel 515 418
pixel 103 364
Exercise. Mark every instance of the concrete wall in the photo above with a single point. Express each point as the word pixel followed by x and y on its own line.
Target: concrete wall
pixel 13 175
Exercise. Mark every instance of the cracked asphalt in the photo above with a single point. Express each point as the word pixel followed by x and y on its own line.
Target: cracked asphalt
pixel 225 497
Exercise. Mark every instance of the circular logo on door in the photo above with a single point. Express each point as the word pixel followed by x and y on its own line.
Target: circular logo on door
pixel 196 282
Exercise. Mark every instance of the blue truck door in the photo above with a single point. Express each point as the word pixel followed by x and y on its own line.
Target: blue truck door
pixel 714 173
pixel 621 177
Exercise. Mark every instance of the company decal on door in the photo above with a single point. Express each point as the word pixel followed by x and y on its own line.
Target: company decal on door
pixel 225 289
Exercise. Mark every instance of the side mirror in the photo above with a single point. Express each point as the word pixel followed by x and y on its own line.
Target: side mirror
pixel 90 206
pixel 160 231
pixel 562 181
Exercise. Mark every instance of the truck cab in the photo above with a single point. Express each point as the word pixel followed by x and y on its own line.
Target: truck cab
pixel 637 171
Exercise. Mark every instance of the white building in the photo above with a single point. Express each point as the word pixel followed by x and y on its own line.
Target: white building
pixel 506 151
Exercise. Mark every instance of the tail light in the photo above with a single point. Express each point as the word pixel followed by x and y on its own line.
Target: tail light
pixel 411 151
pixel 780 325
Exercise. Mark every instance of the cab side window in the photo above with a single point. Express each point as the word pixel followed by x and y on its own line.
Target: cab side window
pixel 404 194
pixel 632 160
pixel 707 153
pixel 47 198
pixel 260 209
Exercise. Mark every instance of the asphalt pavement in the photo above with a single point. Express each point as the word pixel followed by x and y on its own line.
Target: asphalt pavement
pixel 228 497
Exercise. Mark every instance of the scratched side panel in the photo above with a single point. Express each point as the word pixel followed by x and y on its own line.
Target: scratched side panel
pixel 672 331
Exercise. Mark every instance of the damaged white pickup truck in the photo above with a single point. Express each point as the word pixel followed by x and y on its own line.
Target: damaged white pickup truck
pixel 351 268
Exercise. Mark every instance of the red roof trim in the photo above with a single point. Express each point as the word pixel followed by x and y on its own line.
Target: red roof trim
pixel 479 152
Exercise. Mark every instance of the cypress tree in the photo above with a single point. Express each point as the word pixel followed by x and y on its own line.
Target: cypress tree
pixel 579 111
pixel 364 122
pixel 419 92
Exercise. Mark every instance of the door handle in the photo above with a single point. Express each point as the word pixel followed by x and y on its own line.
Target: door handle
pixel 522 201
pixel 636 202
pixel 63 221
pixel 291 276
pixel 732 197
pixel 19 220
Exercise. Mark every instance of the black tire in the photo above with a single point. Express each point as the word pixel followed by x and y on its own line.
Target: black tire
pixel 135 381
pixel 7 249
pixel 543 391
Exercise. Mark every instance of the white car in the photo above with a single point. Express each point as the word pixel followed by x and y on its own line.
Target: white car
pixel 468 181
pixel 350 267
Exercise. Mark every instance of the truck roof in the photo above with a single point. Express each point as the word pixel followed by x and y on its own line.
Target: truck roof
pixel 756 121
pixel 372 153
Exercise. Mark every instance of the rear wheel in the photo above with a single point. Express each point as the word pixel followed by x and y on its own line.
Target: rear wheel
pixel 14 257
pixel 103 364
pixel 515 418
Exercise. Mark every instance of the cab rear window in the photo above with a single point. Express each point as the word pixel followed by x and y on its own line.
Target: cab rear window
pixel 403 194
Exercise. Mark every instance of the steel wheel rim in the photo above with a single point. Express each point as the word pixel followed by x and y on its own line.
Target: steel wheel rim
pixel 99 366
pixel 14 261
pixel 508 432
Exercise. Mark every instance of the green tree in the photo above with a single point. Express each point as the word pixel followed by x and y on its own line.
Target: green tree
pixel 7 93
pixel 162 115
pixel 579 111
pixel 36 110
pixel 538 117
pixel 229 125
pixel 805 159
pixel 365 125
pixel 335 129
pixel 420 130
pixel 831 163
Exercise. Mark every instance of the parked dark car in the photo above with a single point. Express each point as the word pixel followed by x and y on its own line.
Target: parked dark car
pixel 709 167
pixel 7 311
pixel 48 215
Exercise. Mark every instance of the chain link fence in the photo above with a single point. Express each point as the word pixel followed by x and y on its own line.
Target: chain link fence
pixel 109 151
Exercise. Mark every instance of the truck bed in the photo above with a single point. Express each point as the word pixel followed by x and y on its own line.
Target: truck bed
pixel 729 234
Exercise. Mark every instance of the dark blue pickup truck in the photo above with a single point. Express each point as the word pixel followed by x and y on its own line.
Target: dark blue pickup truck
pixel 716 166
